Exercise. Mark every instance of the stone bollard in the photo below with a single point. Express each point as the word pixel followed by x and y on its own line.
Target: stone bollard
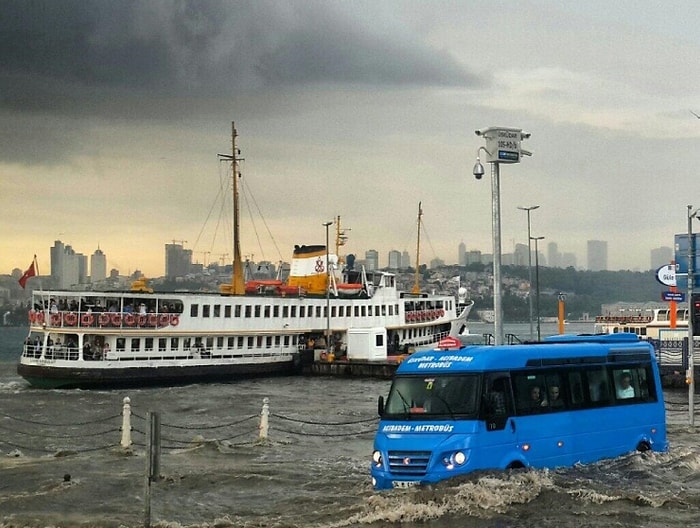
pixel 264 420
pixel 126 423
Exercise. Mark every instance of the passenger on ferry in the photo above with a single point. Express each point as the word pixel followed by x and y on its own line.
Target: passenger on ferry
pixel 128 308
pixel 625 390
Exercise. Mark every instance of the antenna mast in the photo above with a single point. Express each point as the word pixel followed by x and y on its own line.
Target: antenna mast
pixel 416 283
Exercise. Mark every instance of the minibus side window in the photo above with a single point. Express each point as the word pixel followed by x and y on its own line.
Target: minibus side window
pixel 530 391
pixel 576 389
pixel 496 401
pixel 598 384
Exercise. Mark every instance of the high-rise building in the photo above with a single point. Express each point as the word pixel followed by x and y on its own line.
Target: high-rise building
pixel 394 259
pixel 520 255
pixel 68 268
pixel 597 255
pixel 372 259
pixel 178 260
pixel 473 257
pixel 660 257
pixel 553 255
pixel 462 254
pixel 98 266
pixel 405 260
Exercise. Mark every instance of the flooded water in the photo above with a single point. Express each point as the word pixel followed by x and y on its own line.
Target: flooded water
pixel 61 464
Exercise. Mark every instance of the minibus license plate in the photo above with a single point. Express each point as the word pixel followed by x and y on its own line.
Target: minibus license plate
pixel 404 483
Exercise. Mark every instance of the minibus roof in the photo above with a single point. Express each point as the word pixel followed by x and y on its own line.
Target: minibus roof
pixel 554 350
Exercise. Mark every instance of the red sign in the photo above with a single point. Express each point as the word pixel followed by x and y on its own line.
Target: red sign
pixel 449 343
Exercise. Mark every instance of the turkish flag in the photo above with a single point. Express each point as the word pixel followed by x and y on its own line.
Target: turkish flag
pixel 31 272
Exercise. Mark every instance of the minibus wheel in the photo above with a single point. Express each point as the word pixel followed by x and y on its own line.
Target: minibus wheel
pixel 516 464
pixel 643 447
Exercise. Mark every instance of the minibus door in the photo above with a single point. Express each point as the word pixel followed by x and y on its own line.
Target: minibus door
pixel 497 411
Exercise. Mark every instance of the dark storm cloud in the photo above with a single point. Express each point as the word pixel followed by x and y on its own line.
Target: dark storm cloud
pixel 55 53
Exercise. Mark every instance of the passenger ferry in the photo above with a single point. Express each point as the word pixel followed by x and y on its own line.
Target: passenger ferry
pixel 565 401
pixel 645 326
pixel 138 337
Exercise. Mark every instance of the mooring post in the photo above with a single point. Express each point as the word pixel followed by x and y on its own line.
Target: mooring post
pixel 126 423
pixel 264 419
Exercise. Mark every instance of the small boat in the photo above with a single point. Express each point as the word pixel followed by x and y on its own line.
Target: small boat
pixel 644 325
pixel 263 327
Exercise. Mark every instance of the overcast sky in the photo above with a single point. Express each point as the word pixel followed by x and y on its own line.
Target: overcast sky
pixel 113 113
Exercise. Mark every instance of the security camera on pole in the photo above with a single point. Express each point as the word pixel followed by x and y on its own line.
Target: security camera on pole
pixel 502 146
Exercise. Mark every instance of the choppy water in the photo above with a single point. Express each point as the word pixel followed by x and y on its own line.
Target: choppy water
pixel 312 472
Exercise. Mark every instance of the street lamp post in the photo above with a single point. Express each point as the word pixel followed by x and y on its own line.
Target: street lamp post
pixel 691 349
pixel 502 146
pixel 529 262
pixel 328 292
pixel 537 283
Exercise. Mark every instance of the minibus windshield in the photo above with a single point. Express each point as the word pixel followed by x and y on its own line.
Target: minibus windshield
pixel 444 396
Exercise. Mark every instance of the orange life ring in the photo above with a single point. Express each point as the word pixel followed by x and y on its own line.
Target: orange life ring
pixel 39 317
pixel 87 319
pixel 174 320
pixel 55 319
pixel 442 313
pixel 152 320
pixel 164 320
pixel 142 319
pixel 70 319
pixel 129 319
pixel 32 316
pixel 116 319
pixel 103 319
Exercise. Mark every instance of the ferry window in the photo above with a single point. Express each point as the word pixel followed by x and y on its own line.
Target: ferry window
pixel 277 341
pixel 174 343
pixel 219 342
pixel 210 342
pixel 205 310
pixel 529 393
pixel 275 311
pixel 325 311
pixel 237 311
pixel 259 342
pixel 227 311
pixel 357 311
pixel 391 309
pixel 341 311
pixel 268 342
pixel 301 311
pixel 121 343
pixel 162 344
pixel 240 342
pixel 248 311
pixel 187 343
pixel 293 312
pixel 266 312
pixel 364 311
pixel 251 341
pixel 149 343
pixel 231 342
pixel 217 310
pixel 135 344
pixel 379 340
pixel 285 311
pixel 318 311
pixel 369 311
pixel 194 310
pixel 333 311
pixel 286 340
pixel 257 310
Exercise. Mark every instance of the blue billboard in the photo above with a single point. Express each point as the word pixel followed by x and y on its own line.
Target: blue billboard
pixel 681 258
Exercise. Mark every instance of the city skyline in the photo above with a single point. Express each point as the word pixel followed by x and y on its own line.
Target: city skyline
pixel 64 257
pixel 115 113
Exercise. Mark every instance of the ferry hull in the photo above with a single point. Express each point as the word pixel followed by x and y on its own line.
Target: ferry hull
pixel 51 377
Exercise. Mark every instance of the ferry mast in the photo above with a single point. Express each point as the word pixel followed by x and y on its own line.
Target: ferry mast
pixel 237 286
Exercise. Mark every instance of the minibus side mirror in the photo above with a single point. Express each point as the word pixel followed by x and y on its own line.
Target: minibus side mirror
pixel 380 406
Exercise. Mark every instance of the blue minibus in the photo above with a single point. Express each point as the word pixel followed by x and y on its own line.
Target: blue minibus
pixel 566 400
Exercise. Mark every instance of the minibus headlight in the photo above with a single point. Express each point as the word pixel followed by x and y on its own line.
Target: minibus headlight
pixel 459 458
pixel 455 459
pixel 377 458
